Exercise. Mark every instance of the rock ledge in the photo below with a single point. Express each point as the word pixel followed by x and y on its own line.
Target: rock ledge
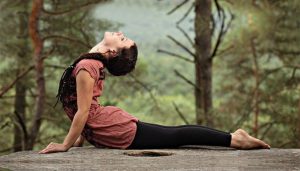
pixel 187 158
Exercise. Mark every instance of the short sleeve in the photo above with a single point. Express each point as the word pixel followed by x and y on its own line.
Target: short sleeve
pixel 90 66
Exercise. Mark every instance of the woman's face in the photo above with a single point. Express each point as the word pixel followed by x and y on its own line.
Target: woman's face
pixel 117 40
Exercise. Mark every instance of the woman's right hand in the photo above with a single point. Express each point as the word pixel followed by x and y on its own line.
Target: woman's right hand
pixel 54 147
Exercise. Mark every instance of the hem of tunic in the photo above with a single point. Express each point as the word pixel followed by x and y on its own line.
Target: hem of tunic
pixel 134 134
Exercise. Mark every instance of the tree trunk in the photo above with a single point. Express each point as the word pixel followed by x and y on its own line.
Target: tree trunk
pixel 20 130
pixel 20 105
pixel 256 94
pixel 203 62
pixel 37 6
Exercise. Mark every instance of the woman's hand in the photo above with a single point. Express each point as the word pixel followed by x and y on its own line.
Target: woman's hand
pixel 54 147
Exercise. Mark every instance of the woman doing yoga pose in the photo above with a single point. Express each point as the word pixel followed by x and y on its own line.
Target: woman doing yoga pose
pixel 109 126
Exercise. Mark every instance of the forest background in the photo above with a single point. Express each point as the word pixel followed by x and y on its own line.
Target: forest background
pixel 225 64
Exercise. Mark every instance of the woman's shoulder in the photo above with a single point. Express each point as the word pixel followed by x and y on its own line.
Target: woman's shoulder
pixel 93 66
pixel 90 62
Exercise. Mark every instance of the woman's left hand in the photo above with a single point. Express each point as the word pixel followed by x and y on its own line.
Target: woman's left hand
pixel 54 147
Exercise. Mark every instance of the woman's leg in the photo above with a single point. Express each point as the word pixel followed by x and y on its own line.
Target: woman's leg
pixel 158 136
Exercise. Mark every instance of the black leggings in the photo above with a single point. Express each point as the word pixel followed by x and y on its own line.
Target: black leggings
pixel 158 136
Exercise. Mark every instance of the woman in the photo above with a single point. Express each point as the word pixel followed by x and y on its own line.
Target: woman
pixel 109 126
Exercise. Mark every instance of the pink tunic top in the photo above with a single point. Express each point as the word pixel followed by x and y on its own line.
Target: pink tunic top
pixel 107 126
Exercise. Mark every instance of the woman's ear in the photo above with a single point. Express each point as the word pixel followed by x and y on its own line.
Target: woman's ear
pixel 110 53
pixel 113 52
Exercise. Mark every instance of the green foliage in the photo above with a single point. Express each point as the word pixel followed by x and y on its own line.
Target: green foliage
pixel 277 55
pixel 65 36
pixel 150 91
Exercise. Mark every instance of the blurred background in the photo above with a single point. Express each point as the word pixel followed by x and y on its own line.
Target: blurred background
pixel 225 64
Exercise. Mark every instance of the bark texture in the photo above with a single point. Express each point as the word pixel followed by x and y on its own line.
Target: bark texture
pixel 20 130
pixel 37 41
pixel 203 62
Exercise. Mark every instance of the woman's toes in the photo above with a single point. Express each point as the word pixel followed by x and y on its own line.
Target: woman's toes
pixel 267 146
pixel 261 144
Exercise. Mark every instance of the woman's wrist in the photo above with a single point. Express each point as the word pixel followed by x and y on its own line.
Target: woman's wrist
pixel 67 145
pixel 78 142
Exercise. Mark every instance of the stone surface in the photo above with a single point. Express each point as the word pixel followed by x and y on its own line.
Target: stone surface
pixel 187 158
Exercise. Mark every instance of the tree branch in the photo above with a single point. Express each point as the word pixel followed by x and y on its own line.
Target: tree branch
pixel 218 8
pixel 68 39
pixel 247 111
pixel 229 23
pixel 23 125
pixel 269 126
pixel 294 68
pixel 78 7
pixel 220 52
pixel 213 25
pixel 146 88
pixel 81 30
pixel 292 78
pixel 175 55
pixel 186 35
pixel 4 125
pixel 48 53
pixel 8 87
pixel 177 7
pixel 186 14
pixel 287 52
pixel 222 32
pixel 182 46
pixel 180 114
pixel 186 80
pixel 219 36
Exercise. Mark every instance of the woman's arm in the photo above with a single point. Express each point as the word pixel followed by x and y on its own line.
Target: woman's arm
pixel 84 88
pixel 79 142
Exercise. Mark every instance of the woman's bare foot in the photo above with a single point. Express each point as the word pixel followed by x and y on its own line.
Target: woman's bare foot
pixel 242 140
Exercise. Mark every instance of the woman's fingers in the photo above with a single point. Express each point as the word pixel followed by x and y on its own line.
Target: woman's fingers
pixel 48 149
pixel 53 147
pixel 44 151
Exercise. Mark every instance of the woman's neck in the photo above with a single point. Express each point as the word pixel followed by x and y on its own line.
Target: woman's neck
pixel 99 48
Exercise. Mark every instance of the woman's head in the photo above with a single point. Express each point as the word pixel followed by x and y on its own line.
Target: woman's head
pixel 120 52
pixel 124 62
pixel 116 41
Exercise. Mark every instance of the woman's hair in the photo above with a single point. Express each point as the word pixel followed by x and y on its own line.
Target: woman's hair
pixel 120 65
pixel 124 62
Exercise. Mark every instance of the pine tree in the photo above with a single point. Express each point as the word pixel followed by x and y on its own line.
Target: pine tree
pixel 59 32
